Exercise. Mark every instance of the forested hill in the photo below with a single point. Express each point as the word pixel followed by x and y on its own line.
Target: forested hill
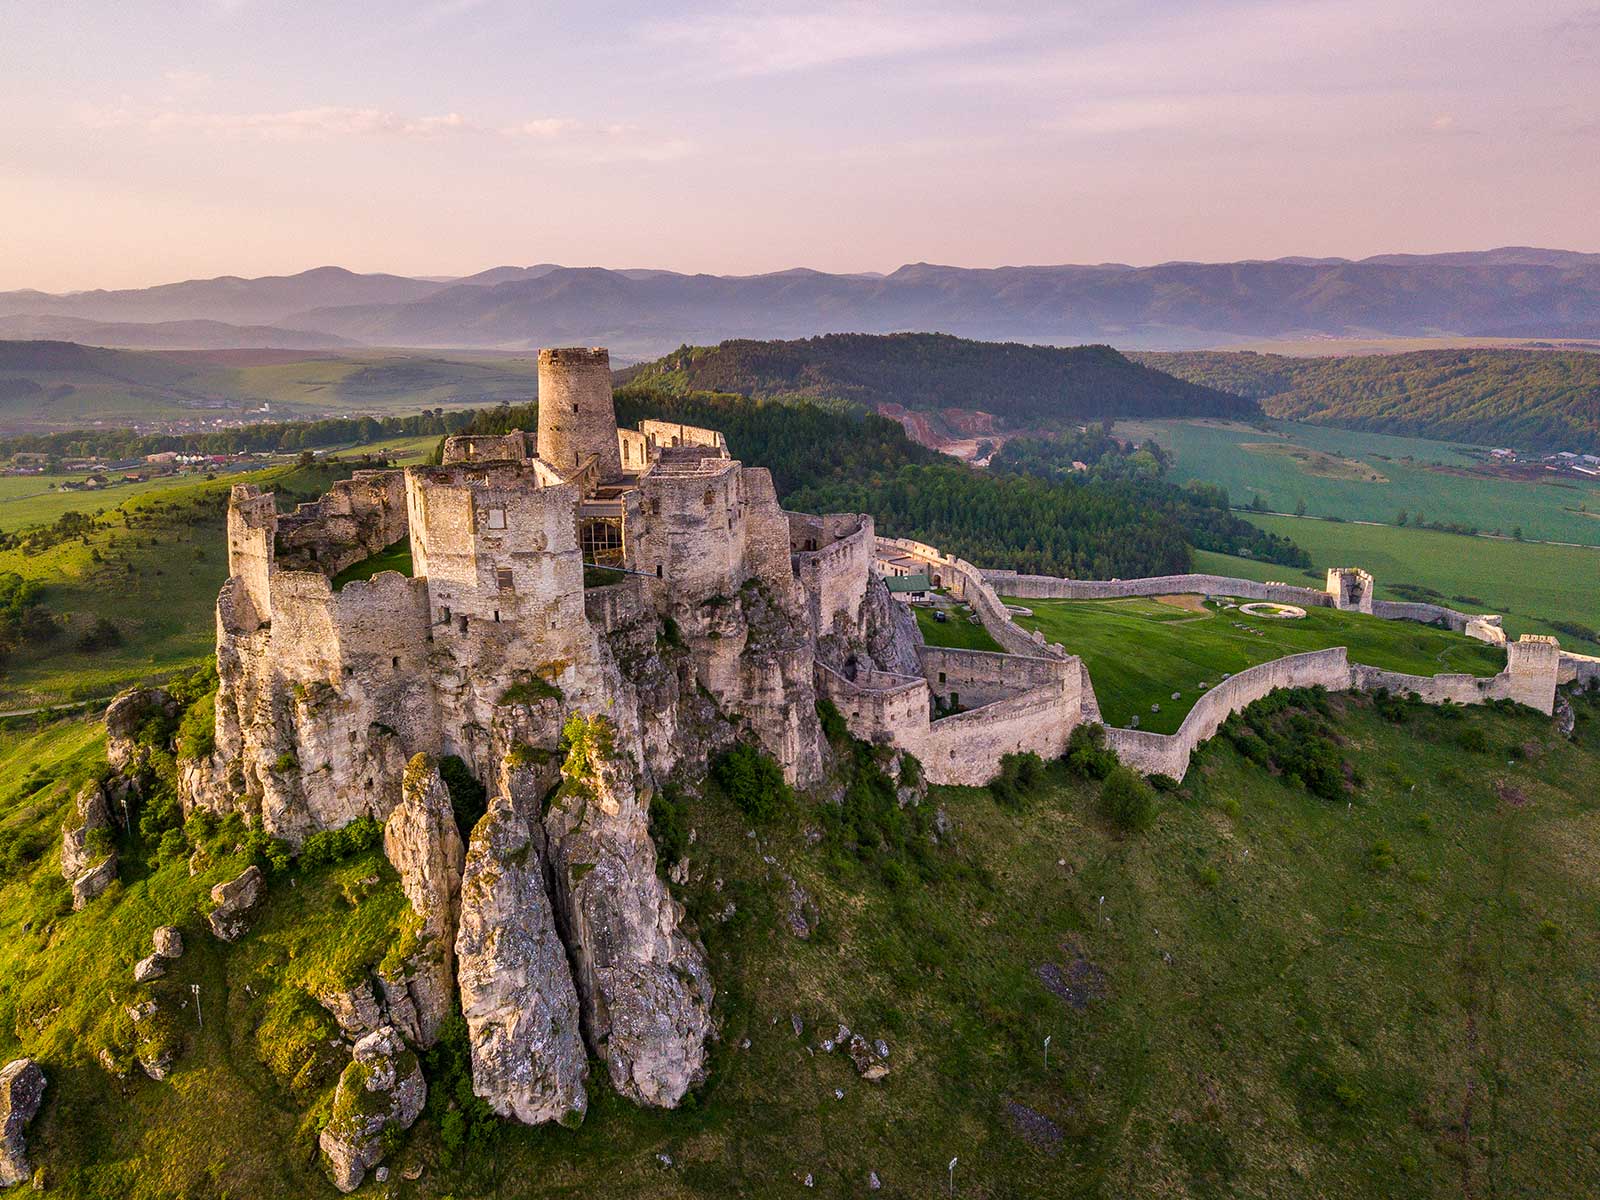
pixel 929 372
pixel 1530 399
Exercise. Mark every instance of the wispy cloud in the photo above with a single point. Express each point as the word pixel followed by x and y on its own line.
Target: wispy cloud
pixel 764 39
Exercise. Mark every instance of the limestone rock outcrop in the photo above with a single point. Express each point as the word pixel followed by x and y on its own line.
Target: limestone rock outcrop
pixel 355 1010
pixel 234 902
pixel 21 1093
pixel 168 942
pixel 88 862
pixel 155 1037
pixel 382 1087
pixel 126 715
pixel 643 987
pixel 420 839
pixel 517 995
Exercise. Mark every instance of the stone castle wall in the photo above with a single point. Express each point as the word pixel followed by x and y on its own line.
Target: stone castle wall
pixel 355 519
pixel 691 528
pixel 487 447
pixel 674 433
pixel 1048 587
pixel 1168 754
pixel 979 677
pixel 831 556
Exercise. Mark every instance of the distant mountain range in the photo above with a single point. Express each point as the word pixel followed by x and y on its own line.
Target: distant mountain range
pixel 1507 292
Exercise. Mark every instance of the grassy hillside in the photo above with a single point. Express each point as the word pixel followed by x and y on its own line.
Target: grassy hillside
pixel 61 385
pixel 151 567
pixel 1532 399
pixel 1262 993
pixel 1531 585
pixel 1426 479
pixel 930 373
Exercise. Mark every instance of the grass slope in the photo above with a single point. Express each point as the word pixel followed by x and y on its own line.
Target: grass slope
pixel 1560 510
pixel 962 631
pixel 1530 398
pixel 161 560
pixel 1262 994
pixel 1531 585
pixel 1140 651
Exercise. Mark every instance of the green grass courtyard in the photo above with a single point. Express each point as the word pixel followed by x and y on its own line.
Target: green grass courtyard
pixel 1140 651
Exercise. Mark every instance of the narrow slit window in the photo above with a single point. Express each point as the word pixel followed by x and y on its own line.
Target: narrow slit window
pixel 463 624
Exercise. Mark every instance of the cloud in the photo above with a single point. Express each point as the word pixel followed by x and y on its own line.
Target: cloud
pixel 300 124
pixel 753 39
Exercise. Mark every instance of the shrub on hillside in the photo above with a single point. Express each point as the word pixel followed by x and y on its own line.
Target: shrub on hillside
pixel 753 781
pixel 335 845
pixel 1087 753
pixel 1019 777
pixel 1127 801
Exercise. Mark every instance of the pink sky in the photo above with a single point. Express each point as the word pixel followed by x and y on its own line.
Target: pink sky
pixel 146 142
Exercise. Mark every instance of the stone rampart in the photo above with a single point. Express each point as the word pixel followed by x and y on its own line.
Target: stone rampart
pixel 974 678
pixel 966 748
pixel 487 447
pixel 672 433
pixel 832 556
pixel 967 582
pixel 1049 587
pixel 879 707
pixel 1582 669
pixel 1168 754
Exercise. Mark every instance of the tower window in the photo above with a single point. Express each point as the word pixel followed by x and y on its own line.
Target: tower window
pixel 658 570
pixel 502 577
pixel 497 518
pixel 463 624
pixel 574 407
pixel 708 498
pixel 497 616
pixel 395 662
pixel 446 618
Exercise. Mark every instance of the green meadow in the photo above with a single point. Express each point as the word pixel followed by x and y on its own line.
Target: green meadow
pixel 1141 651
pixel 1263 993
pixel 1531 585
pixel 1330 469
pixel 962 631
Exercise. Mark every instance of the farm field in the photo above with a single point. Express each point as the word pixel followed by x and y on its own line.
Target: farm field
pixel 1263 993
pixel 1140 651
pixel 960 632
pixel 1530 585
pixel 1221 453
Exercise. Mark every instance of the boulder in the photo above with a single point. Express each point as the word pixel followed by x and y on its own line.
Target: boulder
pixel 146 969
pixel 87 862
pixel 126 715
pixel 517 994
pixel 642 982
pixel 93 882
pixel 168 941
pixel 356 1010
pixel 420 839
pixel 868 1062
pixel 21 1093
pixel 155 1038
pixel 381 1088
pixel 234 901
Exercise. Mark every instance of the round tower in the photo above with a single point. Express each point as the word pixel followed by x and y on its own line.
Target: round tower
pixel 576 418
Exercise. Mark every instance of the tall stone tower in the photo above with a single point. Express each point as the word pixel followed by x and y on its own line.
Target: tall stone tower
pixel 576 417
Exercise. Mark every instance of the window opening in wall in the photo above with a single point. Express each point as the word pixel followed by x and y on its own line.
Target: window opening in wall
pixel 497 518
pixel 463 624
pixel 707 500
pixel 655 508
pixel 955 697
pixel 395 662
pixel 445 620
pixel 941 676
pixel 574 407
pixel 502 578
pixel 658 570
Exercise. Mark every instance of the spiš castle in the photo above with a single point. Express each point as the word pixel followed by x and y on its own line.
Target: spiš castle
pixel 590 613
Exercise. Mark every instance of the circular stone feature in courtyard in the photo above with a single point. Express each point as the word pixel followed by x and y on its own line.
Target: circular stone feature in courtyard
pixel 1276 612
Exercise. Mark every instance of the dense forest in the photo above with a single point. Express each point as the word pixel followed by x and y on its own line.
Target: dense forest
pixel 1530 399
pixel 1119 518
pixel 929 372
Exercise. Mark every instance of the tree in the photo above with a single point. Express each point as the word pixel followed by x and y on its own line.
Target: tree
pixel 1300 507
pixel 1401 516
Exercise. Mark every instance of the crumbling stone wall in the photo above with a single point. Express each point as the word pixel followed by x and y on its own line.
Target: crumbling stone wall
pixel 487 447
pixel 832 557
pixel 354 520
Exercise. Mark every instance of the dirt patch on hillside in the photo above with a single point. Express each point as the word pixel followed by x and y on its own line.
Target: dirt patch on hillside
pixel 1189 602
pixel 1315 462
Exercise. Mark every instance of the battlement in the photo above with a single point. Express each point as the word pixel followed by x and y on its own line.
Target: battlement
pixel 575 356
pixel 1351 589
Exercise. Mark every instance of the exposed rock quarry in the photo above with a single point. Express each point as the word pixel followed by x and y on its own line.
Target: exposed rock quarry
pixel 87 861
pixel 421 841
pixel 642 983
pixel 21 1094
pixel 235 900
pixel 528 1058
pixel 382 1087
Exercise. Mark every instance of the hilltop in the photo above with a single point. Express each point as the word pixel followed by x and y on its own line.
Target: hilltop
pixel 1535 399
pixel 954 384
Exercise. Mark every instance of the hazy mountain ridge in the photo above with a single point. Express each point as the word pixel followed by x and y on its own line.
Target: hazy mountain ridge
pixel 1510 291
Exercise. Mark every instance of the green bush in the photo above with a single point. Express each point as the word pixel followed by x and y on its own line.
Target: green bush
pixel 669 825
pixel 469 799
pixel 197 732
pixel 753 781
pixel 1087 753
pixel 1019 777
pixel 833 726
pixel 1127 801
pixel 335 845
